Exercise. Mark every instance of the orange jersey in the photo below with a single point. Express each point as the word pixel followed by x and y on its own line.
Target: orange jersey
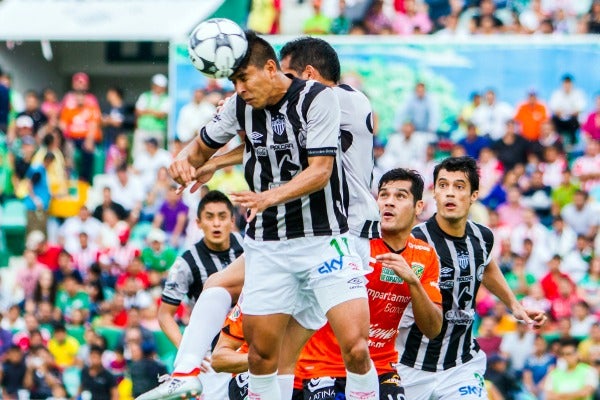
pixel 389 296
pixel 78 120
pixel 233 327
pixel 531 117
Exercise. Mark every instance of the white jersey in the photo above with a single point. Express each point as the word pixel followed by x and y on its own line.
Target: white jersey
pixel 356 125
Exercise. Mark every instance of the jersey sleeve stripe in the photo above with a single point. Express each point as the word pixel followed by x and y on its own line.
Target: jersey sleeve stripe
pixel 213 144
pixel 323 151
pixel 169 300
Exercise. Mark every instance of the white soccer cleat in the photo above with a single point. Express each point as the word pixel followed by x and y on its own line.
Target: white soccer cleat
pixel 174 388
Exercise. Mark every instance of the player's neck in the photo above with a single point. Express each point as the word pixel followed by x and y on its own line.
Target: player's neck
pixel 217 246
pixel 397 240
pixel 455 228
pixel 281 84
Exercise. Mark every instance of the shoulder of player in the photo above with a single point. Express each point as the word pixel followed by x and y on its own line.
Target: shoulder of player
pixel 419 245
pixel 478 228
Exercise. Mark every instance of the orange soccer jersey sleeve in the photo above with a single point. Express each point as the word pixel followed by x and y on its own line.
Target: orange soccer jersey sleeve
pixel 233 327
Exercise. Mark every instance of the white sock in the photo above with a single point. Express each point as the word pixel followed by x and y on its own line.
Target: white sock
pixel 365 387
pixel 263 387
pixel 206 321
pixel 286 386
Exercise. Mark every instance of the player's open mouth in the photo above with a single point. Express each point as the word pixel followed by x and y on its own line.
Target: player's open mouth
pixel 216 233
pixel 388 214
pixel 450 205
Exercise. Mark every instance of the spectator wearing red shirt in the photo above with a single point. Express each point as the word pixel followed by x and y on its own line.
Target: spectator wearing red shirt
pixel 135 269
pixel 550 282
pixel 562 306
pixel 47 254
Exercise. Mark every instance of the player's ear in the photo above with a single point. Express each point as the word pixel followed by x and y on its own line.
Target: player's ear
pixel 310 72
pixel 271 67
pixel 419 206
pixel 474 196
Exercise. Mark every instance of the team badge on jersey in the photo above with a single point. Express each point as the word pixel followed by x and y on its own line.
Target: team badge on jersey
pixel 463 260
pixel 278 124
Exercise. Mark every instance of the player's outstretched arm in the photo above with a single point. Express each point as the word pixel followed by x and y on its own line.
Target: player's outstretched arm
pixel 313 178
pixel 226 358
pixel 494 281
pixel 428 315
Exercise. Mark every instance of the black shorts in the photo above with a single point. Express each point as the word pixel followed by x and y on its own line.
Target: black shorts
pixel 334 388
pixel 238 387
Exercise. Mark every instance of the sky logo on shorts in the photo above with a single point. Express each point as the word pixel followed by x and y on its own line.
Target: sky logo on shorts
pixel 335 264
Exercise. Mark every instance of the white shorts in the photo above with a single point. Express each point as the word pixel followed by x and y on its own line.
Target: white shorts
pixel 303 277
pixel 464 382
pixel 363 249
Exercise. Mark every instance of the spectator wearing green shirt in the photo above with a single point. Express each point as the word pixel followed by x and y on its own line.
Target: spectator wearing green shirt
pixel 574 381
pixel 318 24
pixel 71 297
pixel 518 279
pixel 158 256
pixel 563 194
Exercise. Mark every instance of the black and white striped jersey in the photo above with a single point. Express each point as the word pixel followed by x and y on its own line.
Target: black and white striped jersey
pixel 190 271
pixel 462 264
pixel 356 125
pixel 278 143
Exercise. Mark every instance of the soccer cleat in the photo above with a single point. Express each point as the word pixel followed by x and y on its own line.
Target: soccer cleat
pixel 174 387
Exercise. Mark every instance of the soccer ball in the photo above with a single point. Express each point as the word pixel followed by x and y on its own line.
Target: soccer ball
pixel 217 47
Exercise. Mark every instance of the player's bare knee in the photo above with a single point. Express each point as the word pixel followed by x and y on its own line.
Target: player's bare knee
pixel 262 361
pixel 356 357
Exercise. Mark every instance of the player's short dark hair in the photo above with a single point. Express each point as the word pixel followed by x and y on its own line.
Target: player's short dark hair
pixel 403 174
pixel 258 54
pixel 214 196
pixel 465 164
pixel 312 51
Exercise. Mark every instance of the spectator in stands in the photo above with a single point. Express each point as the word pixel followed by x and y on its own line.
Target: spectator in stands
pixel 117 153
pixel 563 194
pixel 581 215
pixel 473 143
pixel 71 229
pixel 172 217
pixel 566 103
pixel 114 116
pixel 511 149
pixel 491 171
pixel 144 368
pixel 318 23
pixel 71 297
pixel 414 19
pixel 591 20
pixel 47 254
pixel 504 380
pixel 530 115
pixel 118 312
pixel 518 279
pixel 538 197
pixel 406 148
pixel 517 346
pixel 50 107
pixel 537 366
pixel 46 288
pixel 45 313
pixel 491 116
pixel 28 276
pixel 587 167
pixel 561 238
pixel 376 22
pixel 550 282
pixel 562 305
pixel 552 166
pixel 576 380
pixel 487 9
pixel 158 256
pixel 511 212
pixel 489 341
pixel 66 266
pixel 109 204
pixel 63 347
pixel 5 339
pixel 156 195
pixel 576 262
pixel 96 381
pixel 531 228
pixel 548 137
pixel 591 127
pixel 194 115
pixel 134 331
pixel 536 298
pixel 589 348
pixel 582 320
pixel 228 180
pixel 32 110
pixel 147 164
pixel 264 16
pixel 128 190
pixel 589 286
pixel 80 120
pixel 152 110
pixel 42 377
pixel 4 105
pixel 57 170
pixel 421 109
pixel 12 373
pixel 340 25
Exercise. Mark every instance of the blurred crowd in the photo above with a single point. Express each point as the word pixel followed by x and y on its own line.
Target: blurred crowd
pixel 438 17
pixel 104 223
